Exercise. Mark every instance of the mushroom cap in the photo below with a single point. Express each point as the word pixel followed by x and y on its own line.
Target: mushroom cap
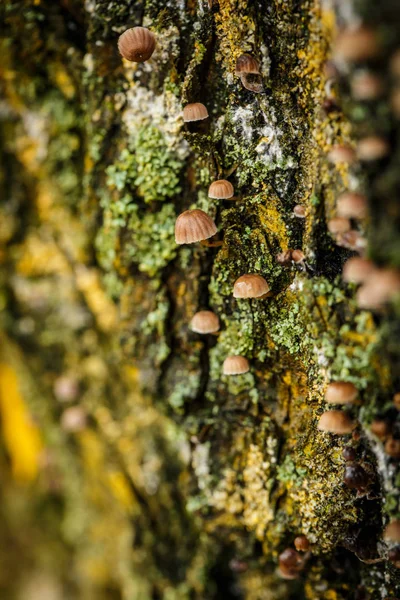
pixel 392 531
pixel 342 154
pixel 221 189
pixel 301 543
pixel 355 476
pixel 372 148
pixel 193 226
pixel 204 321
pixel 137 44
pixel 235 365
pixel 351 239
pixel 338 225
pixel 355 45
pixel 380 428
pixel 195 112
pixel 392 447
pixel 298 256
pixel 351 205
pixel 380 287
pixel 284 258
pixel 341 392
pixel 336 421
pixel 250 286
pixel 73 419
pixel 366 86
pixel 299 211
pixel 245 63
pixel 357 269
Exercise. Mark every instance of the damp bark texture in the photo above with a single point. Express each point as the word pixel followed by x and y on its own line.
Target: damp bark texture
pixel 130 467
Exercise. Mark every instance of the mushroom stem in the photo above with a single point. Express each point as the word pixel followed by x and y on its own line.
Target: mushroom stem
pixel 208 244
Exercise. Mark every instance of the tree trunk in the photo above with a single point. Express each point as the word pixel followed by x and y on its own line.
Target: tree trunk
pixel 131 467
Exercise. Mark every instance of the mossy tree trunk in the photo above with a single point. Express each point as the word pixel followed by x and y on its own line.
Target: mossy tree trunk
pixel 181 482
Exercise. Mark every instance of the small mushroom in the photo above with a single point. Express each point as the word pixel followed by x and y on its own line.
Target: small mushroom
pixel 250 286
pixel 298 257
pixel 342 154
pixel 355 477
pixel 301 543
pixel 356 45
pixel 299 211
pixel 341 392
pixel 194 112
pixel 194 226
pixel 392 531
pixel 284 258
pixel 392 447
pixel 338 225
pixel 336 421
pixel 291 563
pixel 357 269
pixel 372 148
pixel 349 454
pixel 137 44
pixel 221 190
pixel 351 205
pixel 394 556
pixel 246 64
pixel 235 365
pixel 353 240
pixel 204 321
pixel 381 287
pixel 380 428
pixel 366 86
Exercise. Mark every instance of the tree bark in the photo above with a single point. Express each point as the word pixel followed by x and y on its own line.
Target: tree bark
pixel 130 466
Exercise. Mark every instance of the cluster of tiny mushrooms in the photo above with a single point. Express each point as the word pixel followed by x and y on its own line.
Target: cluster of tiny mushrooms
pixel 377 286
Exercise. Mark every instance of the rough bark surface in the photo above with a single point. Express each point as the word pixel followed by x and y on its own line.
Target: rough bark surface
pixel 184 483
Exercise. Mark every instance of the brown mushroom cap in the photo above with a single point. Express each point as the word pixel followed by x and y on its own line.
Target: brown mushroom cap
pixel 250 286
pixel 137 44
pixel 366 86
pixel 195 112
pixel 351 239
pixel 357 269
pixel 235 365
pixel 355 45
pixel 245 63
pixel 204 321
pixel 392 447
pixel 372 148
pixel 193 226
pixel 392 531
pixel 380 428
pixel 338 225
pixel 299 211
pixel 298 256
pixel 221 189
pixel 336 421
pixel 284 258
pixel 301 543
pixel 351 205
pixel 341 392
pixel 342 154
pixel 381 286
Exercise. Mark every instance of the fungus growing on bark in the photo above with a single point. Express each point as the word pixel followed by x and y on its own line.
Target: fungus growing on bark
pixel 356 45
pixel 137 44
pixel 235 365
pixel 298 257
pixel 380 287
pixel 299 211
pixel 250 286
pixel 351 205
pixel 349 454
pixel 355 477
pixel 194 226
pixel 204 321
pixel 366 86
pixel 284 258
pixel 336 421
pixel 220 190
pixel 73 419
pixel 291 563
pixel 194 112
pixel 338 225
pixel 353 240
pixel 301 543
pixel 372 148
pixel 394 556
pixel 392 531
pixel 357 269
pixel 380 428
pixel 246 64
pixel 341 392
pixel 342 154
pixel 392 447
